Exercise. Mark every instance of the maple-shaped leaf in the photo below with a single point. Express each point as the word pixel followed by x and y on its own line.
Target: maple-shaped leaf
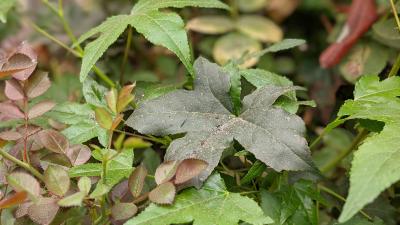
pixel 273 135
pixel 212 204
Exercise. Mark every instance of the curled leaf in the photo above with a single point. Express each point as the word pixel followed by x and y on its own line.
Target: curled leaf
pixel 10 135
pixel 135 143
pixel 188 169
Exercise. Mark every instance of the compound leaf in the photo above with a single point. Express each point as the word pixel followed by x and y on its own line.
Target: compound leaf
pixel 212 204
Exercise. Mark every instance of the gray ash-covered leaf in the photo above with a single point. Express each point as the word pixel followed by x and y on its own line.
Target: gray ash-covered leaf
pixel 273 135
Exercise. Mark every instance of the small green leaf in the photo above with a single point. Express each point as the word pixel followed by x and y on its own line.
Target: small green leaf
pixel 255 171
pixel 136 180
pixel 136 143
pixel 57 180
pixel 104 118
pixel 72 200
pixel 84 184
pixel 100 190
pixel 163 193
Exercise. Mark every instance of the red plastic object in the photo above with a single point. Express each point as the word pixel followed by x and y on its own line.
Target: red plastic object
pixel 362 15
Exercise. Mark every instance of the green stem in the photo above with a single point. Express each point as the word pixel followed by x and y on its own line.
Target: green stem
pixel 126 54
pixel 396 16
pixel 395 67
pixel 326 130
pixel 55 40
pixel 332 164
pixel 79 51
pixel 22 164
pixel 341 198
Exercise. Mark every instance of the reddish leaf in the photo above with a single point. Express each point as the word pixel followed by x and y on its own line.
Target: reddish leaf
pixel 40 109
pixel 362 15
pixel 166 171
pixel 78 154
pixel 10 111
pixel 15 199
pixel 38 84
pixel 125 97
pixel 53 141
pixel 20 181
pixel 13 90
pixel 123 211
pixel 103 118
pixel 22 209
pixel 188 169
pixel 10 135
pixel 16 64
pixel 163 194
pixel 43 211
pixel 26 50
pixel 136 180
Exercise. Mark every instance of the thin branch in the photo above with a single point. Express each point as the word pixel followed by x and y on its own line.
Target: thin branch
pixel 22 164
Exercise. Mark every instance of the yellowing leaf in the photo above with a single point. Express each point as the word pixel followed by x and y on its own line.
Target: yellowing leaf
pixel 214 24
pixel 260 28
pixel 234 46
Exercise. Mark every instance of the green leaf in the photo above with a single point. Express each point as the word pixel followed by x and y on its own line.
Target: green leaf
pixel 212 204
pixel 380 153
pixel 273 135
pixel 163 193
pixel 5 6
pixel 260 78
pixel 72 200
pixel 81 118
pixel 150 5
pixel 292 204
pixel 136 180
pixel 56 180
pixel 118 168
pixel 255 171
pixel 109 31
pixel 94 93
pixel 165 29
